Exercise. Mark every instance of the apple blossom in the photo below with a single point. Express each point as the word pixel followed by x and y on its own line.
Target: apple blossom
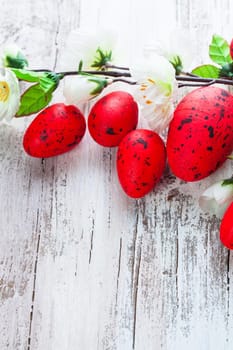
pixel 9 94
pixel 157 87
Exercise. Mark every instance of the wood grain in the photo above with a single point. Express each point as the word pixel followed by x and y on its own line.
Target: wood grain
pixel 81 265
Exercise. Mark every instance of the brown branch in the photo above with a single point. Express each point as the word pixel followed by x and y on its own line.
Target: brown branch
pixel 191 80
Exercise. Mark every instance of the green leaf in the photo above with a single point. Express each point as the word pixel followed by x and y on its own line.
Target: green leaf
pixel 18 61
pixel 226 70
pixel 33 100
pixel 206 71
pixel 101 58
pixel 219 50
pixel 101 83
pixel 30 76
pixel 80 66
pixel 227 182
pixel 49 82
pixel 177 64
pixel 230 157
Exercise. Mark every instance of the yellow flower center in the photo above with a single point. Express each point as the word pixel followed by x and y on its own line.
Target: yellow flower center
pixel 4 91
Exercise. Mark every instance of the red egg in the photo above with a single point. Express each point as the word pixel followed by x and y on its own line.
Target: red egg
pixel 231 48
pixel 226 228
pixel 200 135
pixel 141 159
pixel 112 117
pixel 55 130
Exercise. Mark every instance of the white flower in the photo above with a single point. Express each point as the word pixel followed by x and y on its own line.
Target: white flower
pixel 79 89
pixel 216 198
pixel 156 90
pixel 83 46
pixel 9 94
pixel 12 56
pixel 175 44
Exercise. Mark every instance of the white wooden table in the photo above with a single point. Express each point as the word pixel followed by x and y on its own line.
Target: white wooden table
pixel 83 267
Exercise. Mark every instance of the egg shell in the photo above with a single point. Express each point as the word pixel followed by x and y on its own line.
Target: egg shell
pixel 112 117
pixel 226 228
pixel 55 130
pixel 141 159
pixel 200 135
pixel 231 48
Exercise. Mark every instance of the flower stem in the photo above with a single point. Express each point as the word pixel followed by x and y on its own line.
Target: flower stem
pixel 202 81
pixel 125 81
pixel 188 78
pixel 98 72
pixel 112 66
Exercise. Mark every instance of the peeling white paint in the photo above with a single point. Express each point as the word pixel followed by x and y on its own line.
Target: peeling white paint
pixel 81 265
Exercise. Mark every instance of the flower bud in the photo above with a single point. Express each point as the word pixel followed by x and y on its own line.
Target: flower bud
pixel 216 198
pixel 13 57
pixel 81 88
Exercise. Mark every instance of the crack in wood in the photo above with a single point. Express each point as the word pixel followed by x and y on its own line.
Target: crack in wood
pixel 228 289
pixel 92 235
pixel 137 273
pixel 34 282
pixel 53 198
pixel 134 244
pixel 177 265
pixel 43 165
pixel 56 34
pixel 118 271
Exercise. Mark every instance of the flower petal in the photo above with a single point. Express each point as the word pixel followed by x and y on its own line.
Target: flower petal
pixel 10 101
pixel 81 45
pixel 216 198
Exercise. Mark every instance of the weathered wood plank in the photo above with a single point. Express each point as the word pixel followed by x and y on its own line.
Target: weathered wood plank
pixel 81 265
pixel 29 25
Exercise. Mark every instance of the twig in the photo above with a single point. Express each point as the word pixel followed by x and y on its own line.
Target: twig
pixel 125 81
pixel 112 66
pixel 196 79
pixel 188 77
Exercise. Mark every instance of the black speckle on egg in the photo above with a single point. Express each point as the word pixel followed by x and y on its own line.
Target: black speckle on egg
pixel 222 113
pixel 184 121
pixel 60 139
pixel 76 140
pixel 224 93
pixel 110 131
pixel 211 131
pixel 197 176
pixel 43 135
pixel 142 142
pixel 147 162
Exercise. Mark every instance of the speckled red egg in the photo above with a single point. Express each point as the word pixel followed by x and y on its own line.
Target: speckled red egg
pixel 112 117
pixel 141 159
pixel 226 228
pixel 200 135
pixel 55 130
